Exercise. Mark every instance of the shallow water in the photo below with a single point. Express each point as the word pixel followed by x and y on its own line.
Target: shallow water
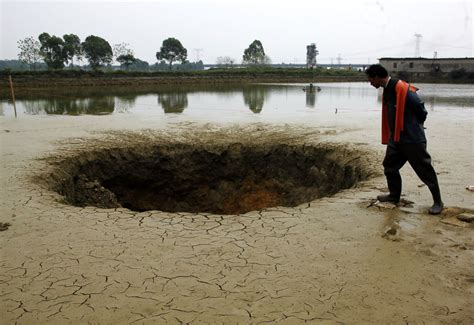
pixel 233 103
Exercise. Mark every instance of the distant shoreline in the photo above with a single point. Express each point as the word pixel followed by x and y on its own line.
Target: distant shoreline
pixel 29 83
pixel 24 83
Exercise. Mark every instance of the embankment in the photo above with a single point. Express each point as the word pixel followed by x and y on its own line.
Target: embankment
pixel 30 82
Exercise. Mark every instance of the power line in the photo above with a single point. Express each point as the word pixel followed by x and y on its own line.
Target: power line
pixel 449 46
pixel 376 50
pixel 198 51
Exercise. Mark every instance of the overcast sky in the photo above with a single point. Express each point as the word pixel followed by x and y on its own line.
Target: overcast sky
pixel 357 31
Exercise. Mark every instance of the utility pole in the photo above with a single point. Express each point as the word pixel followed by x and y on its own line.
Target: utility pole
pixel 417 45
pixel 339 59
pixel 198 51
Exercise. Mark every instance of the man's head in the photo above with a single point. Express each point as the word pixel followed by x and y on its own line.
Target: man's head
pixel 377 75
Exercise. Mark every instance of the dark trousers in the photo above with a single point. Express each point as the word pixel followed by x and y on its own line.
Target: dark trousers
pixel 415 153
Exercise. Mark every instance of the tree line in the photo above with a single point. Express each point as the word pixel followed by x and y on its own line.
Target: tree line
pixel 55 53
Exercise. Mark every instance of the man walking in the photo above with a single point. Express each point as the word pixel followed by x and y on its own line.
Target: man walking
pixel 403 115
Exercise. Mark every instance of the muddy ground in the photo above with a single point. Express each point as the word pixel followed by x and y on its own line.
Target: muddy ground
pixel 337 259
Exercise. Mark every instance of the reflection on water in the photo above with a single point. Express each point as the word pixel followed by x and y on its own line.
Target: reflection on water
pixel 173 102
pixel 263 100
pixel 125 103
pixel 311 94
pixel 432 101
pixel 61 106
pixel 310 99
pixel 254 98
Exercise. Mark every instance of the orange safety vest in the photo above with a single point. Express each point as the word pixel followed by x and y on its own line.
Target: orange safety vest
pixel 401 90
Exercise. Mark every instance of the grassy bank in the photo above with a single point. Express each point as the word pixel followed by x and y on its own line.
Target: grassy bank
pixel 35 80
pixel 28 82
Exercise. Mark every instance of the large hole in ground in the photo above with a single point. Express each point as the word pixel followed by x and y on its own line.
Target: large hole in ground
pixel 227 179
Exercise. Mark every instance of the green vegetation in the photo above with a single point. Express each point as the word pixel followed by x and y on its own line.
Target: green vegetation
pixel 17 65
pixel 53 51
pixel 126 60
pixel 98 51
pixel 127 63
pixel 255 54
pixel 30 53
pixel 172 50
pixel 57 55
pixel 27 82
pixel 218 72
pixel 72 47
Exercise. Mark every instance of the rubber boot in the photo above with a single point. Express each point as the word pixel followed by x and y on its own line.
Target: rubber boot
pixel 388 198
pixel 438 205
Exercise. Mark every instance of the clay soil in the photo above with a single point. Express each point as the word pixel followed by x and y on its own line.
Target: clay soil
pixel 217 178
pixel 342 258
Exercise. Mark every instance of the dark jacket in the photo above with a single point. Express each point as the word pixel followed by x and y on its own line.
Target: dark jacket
pixel 413 113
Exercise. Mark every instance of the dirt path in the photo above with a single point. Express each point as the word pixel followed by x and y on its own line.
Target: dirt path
pixel 337 259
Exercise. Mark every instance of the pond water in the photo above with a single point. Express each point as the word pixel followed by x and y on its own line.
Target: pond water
pixel 231 103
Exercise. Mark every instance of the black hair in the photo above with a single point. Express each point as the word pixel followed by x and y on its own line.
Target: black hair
pixel 376 70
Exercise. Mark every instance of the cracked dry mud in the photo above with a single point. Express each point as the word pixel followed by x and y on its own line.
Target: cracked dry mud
pixel 323 261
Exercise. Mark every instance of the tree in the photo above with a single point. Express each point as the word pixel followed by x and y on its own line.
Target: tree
pixel 126 60
pixel 20 65
pixel 267 60
pixel 29 51
pixel 225 60
pixel 189 66
pixel 254 54
pixel 52 50
pixel 159 66
pixel 72 47
pixel 139 65
pixel 97 51
pixel 172 50
pixel 120 50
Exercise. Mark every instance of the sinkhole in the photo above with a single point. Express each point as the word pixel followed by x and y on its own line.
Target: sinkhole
pixel 227 179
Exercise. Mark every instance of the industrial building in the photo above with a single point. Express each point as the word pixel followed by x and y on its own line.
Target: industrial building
pixel 425 66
